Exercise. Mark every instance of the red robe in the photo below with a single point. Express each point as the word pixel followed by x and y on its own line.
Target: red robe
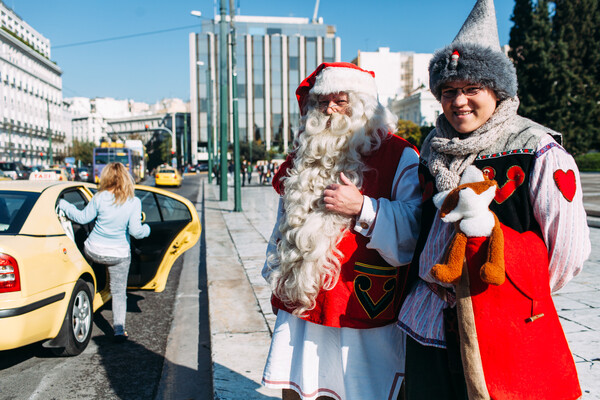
pixel 369 290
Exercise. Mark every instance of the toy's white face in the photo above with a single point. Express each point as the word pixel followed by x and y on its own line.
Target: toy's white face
pixel 470 204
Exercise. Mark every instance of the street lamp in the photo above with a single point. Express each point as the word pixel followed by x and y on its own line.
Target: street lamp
pixel 209 108
pixel 223 114
pixel 209 116
pixel 236 135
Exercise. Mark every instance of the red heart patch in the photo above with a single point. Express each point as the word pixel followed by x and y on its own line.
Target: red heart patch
pixel 515 178
pixel 566 183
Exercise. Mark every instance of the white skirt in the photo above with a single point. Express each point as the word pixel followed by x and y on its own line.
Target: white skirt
pixel 342 363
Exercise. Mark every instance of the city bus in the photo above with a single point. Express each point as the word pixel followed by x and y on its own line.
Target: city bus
pixel 140 155
pixel 115 152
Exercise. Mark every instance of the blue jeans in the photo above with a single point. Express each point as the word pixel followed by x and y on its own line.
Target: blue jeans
pixel 118 269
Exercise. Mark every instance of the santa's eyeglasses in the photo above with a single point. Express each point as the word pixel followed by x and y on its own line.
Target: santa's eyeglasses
pixel 334 105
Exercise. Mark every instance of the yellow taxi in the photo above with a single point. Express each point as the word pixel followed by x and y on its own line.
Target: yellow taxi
pixel 48 290
pixel 167 176
pixel 50 174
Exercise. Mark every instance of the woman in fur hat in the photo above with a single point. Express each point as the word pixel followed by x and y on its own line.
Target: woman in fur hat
pixel 469 339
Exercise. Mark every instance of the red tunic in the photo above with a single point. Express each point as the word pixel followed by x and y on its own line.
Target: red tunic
pixel 519 343
pixel 368 292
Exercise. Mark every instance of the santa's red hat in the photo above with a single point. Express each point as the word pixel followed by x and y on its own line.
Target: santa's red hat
pixel 334 78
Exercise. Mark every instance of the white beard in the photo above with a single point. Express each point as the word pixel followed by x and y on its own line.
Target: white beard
pixel 307 256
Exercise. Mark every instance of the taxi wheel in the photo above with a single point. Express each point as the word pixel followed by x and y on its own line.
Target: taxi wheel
pixel 77 326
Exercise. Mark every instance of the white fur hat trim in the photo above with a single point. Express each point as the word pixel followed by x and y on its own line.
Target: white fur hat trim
pixel 341 79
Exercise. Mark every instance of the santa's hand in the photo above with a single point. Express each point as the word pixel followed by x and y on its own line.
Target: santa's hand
pixel 344 198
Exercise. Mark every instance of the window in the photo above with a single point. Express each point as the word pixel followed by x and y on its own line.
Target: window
pixel 75 198
pixel 162 208
pixel 173 210
pixel 14 209
pixel 148 205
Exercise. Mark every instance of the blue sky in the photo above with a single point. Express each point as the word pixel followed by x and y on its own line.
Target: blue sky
pixel 149 68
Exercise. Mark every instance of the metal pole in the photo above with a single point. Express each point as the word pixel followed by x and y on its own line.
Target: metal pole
pixel 209 134
pixel 185 146
pixel 236 135
pixel 174 158
pixel 10 152
pixel 223 115
pixel 50 158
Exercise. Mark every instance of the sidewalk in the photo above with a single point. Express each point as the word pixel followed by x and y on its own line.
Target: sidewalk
pixel 241 320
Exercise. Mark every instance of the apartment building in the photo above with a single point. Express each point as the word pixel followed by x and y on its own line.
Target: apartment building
pixel 33 126
pixel 273 55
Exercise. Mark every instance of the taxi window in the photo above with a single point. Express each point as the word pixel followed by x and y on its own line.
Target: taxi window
pixel 159 207
pixel 166 171
pixel 75 198
pixel 173 210
pixel 14 209
pixel 149 205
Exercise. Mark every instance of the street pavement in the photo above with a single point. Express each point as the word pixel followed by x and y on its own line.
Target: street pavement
pixel 241 319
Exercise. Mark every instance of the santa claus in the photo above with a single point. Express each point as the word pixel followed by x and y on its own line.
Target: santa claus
pixel 338 257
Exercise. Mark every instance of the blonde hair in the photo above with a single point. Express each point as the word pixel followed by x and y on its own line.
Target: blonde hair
pixel 116 179
pixel 307 259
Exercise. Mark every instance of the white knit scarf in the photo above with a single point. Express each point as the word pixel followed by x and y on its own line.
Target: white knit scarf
pixel 452 152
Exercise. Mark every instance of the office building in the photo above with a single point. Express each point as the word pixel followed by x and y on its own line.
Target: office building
pixel 32 119
pixel 397 74
pixel 402 79
pixel 421 107
pixel 273 55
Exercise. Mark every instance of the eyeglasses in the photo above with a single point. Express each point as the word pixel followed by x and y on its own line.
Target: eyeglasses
pixel 336 106
pixel 450 93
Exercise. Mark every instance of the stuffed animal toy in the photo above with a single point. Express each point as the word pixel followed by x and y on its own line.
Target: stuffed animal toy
pixel 468 207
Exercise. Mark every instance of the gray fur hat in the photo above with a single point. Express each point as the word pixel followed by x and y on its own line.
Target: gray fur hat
pixel 475 56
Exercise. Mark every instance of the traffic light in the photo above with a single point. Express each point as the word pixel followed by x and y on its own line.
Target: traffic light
pixel 146 127
pixel 23 153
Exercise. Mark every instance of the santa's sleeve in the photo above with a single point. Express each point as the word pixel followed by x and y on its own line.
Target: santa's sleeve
pixel 393 224
pixel 557 199
pixel 271 260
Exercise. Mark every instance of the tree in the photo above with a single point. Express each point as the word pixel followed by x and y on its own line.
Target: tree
pixel 409 131
pixel 158 150
pixel 577 34
pixel 554 46
pixel 258 151
pixel 532 52
pixel 83 151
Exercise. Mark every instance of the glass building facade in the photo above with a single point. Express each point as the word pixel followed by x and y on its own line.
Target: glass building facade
pixel 273 55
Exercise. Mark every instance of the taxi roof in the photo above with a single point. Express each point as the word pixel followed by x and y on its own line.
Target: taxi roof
pixel 34 185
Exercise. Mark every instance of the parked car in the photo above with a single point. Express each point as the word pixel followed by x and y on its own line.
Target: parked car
pixel 4 177
pixel 14 169
pixel 167 176
pixel 83 174
pixel 48 291
pixel 50 174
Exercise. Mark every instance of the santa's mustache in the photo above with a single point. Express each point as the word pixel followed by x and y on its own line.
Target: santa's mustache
pixel 335 124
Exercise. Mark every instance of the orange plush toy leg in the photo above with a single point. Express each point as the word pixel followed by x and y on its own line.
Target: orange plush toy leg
pixel 451 271
pixel 493 271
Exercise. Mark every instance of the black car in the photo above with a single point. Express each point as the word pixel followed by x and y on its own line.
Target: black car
pixel 14 169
